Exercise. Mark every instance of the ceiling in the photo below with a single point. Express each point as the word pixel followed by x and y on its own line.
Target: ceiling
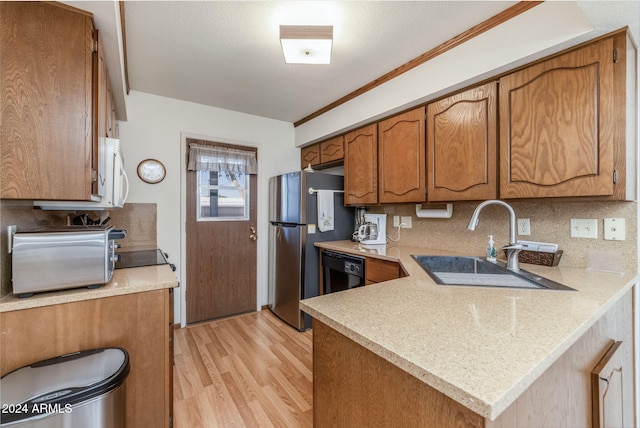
pixel 227 54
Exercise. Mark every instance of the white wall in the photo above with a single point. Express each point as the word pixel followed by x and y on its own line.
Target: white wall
pixel 156 127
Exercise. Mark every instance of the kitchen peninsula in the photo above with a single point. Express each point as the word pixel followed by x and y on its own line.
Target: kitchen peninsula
pixel 133 311
pixel 410 352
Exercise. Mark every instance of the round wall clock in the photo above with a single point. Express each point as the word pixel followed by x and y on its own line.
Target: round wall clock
pixel 151 171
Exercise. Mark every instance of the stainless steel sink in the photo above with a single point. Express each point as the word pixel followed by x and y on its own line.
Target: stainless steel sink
pixel 475 271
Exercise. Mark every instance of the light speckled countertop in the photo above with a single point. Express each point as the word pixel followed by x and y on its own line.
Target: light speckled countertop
pixel 124 281
pixel 480 346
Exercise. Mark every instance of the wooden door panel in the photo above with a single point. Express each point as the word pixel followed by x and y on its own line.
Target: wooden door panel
pixel 556 133
pixel 332 150
pixel 221 261
pixel 401 156
pixel 377 270
pixel 461 146
pixel 310 155
pixel 530 102
pixel 361 166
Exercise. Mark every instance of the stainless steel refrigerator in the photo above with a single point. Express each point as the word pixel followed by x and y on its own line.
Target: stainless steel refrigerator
pixel 293 230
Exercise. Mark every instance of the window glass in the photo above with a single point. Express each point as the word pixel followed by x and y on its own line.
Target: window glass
pixel 223 196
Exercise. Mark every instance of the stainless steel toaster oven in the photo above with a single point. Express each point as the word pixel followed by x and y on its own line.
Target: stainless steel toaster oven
pixel 54 258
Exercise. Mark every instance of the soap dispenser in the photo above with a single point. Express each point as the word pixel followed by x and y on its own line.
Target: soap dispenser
pixel 491 250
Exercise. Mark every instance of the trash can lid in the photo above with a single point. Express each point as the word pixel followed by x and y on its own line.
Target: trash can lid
pixel 67 379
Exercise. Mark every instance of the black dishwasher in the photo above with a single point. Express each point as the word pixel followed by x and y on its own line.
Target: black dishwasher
pixel 341 272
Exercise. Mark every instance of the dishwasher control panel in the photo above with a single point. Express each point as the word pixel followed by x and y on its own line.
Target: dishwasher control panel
pixel 352 268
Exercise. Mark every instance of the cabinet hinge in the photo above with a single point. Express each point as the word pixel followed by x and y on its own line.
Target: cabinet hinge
pixel 170 421
pixel 615 55
pixel 94 175
pixel 95 46
pixel 615 176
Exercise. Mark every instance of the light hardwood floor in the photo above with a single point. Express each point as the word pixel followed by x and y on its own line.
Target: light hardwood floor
pixel 250 370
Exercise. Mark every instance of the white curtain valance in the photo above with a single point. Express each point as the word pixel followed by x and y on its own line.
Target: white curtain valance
pixel 209 158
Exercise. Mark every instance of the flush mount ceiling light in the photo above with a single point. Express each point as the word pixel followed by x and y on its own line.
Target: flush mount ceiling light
pixel 306 44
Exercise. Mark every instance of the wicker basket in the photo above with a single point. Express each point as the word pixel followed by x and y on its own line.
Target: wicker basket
pixel 539 258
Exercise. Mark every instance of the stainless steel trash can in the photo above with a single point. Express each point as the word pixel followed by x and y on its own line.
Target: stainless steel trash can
pixel 79 390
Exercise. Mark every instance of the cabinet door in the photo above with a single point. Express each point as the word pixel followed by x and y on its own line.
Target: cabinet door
pixel 46 113
pixel 361 166
pixel 310 155
pixel 607 391
pixel 461 146
pixel 377 270
pixel 332 150
pixel 556 126
pixel 401 156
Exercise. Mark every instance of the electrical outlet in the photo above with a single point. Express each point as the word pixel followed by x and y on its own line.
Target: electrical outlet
pixel 406 221
pixel 614 229
pixel 584 228
pixel 396 220
pixel 524 227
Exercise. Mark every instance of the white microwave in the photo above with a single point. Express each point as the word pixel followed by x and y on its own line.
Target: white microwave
pixel 113 183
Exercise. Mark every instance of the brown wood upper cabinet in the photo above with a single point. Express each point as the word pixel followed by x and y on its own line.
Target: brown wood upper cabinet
pixel 46 116
pixel 332 150
pixel 324 154
pixel 361 166
pixel 310 155
pixel 401 158
pixel 462 144
pixel 385 161
pixel 557 125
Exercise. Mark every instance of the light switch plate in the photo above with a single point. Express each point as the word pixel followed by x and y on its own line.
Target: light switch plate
pixel 396 220
pixel 614 229
pixel 584 228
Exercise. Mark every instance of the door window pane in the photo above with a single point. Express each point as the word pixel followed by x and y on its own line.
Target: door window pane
pixel 223 196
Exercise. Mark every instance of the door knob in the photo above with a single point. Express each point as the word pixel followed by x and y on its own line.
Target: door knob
pixel 253 237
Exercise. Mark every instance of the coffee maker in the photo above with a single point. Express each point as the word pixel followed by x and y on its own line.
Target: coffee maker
pixel 359 220
pixel 373 231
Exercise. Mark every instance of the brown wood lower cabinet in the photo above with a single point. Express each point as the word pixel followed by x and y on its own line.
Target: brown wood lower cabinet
pixel 378 270
pixel 354 387
pixel 139 323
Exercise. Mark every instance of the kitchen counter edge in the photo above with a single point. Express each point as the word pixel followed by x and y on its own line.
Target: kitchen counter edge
pixel 124 281
pixel 401 254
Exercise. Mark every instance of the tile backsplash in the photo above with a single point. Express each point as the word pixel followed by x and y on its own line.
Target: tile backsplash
pixel 138 219
pixel 550 222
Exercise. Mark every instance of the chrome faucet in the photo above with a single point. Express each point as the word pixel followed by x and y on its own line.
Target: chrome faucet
pixel 513 248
